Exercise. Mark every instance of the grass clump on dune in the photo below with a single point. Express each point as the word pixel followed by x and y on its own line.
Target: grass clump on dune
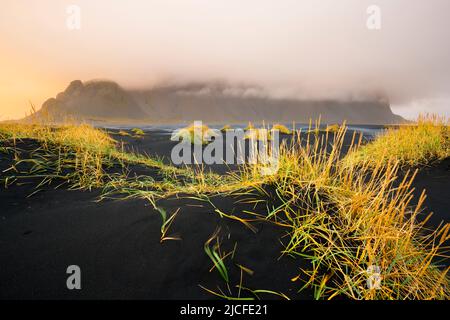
pixel 77 154
pixel 332 128
pixel 350 221
pixel 123 133
pixel 281 128
pixel 138 132
pixel 83 137
pixel 249 126
pixel 226 128
pixel 194 134
pixel 417 144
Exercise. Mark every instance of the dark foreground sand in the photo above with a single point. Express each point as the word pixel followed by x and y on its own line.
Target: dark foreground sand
pixel 117 243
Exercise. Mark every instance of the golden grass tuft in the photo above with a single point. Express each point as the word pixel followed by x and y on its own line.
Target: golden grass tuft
pixel 332 128
pixel 226 128
pixel 249 126
pixel 80 136
pixel 281 128
pixel 75 153
pixel 196 135
pixel 346 220
pixel 123 133
pixel 138 132
pixel 417 144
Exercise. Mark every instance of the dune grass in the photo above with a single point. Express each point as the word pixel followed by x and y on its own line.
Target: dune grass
pixel 78 154
pixel 138 132
pixel 345 215
pixel 346 220
pixel 332 128
pixel 214 253
pixel 123 133
pixel 281 128
pixel 416 144
pixel 194 134
pixel 249 126
pixel 225 128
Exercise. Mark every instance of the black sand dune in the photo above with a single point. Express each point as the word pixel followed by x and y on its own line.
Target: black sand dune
pixel 435 180
pixel 117 243
pixel 117 246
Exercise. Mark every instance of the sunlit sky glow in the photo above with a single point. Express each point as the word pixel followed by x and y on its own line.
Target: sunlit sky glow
pixel 306 49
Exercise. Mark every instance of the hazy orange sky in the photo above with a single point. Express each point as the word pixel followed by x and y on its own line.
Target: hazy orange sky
pixel 311 48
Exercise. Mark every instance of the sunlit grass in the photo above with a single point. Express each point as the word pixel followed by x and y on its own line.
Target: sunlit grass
pixel 138 132
pixel 416 144
pixel 213 251
pixel 194 134
pixel 226 128
pixel 249 126
pixel 332 128
pixel 78 154
pixel 80 149
pixel 345 220
pixel 281 128
pixel 123 133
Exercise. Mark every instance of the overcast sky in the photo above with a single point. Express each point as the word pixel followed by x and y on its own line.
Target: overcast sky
pixel 306 49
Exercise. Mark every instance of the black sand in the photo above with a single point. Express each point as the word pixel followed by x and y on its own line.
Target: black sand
pixel 117 243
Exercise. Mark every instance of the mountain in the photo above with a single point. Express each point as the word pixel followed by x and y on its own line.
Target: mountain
pixel 209 102
pixel 218 102
pixel 93 100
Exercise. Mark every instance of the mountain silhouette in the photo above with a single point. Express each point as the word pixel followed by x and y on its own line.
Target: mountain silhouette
pixel 209 102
